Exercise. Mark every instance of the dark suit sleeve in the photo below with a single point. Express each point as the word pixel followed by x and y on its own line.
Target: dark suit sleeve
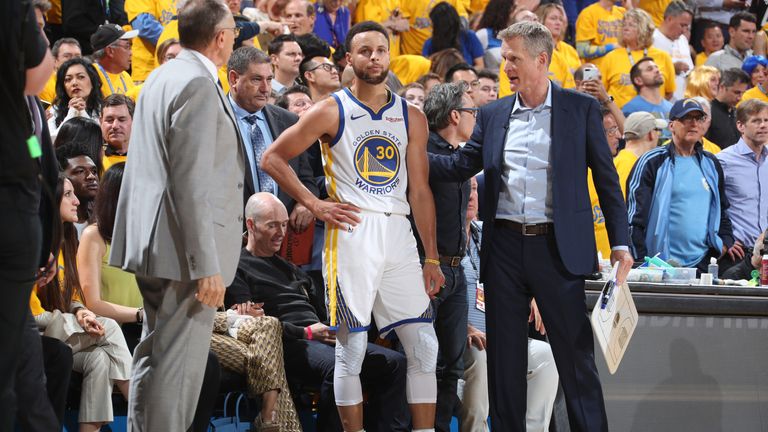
pixel 606 180
pixel 640 185
pixel 463 164
pixel 725 230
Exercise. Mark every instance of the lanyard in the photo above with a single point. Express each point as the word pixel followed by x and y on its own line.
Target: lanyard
pixel 762 89
pixel 632 59
pixel 109 82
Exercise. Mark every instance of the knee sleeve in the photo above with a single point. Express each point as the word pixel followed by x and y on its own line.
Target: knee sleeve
pixel 421 347
pixel 350 352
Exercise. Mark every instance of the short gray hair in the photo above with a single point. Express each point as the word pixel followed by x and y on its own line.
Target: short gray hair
pixel 244 56
pixel 536 38
pixel 704 102
pixel 677 8
pixel 442 100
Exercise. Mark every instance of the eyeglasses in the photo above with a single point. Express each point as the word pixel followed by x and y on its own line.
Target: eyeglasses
pixel 612 131
pixel 328 67
pixel 696 119
pixel 472 111
pixel 235 30
pixel 120 45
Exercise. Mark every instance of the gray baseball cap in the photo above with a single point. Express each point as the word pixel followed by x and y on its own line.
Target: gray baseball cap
pixel 640 123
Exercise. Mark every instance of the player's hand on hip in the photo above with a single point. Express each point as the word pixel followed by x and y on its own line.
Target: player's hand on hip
pixel 210 291
pixel 433 279
pixel 301 217
pixel 625 261
pixel 341 215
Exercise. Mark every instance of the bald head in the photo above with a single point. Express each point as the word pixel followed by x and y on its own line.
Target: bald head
pixel 266 220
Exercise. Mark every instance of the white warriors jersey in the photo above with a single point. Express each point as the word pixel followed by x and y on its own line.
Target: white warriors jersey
pixel 365 162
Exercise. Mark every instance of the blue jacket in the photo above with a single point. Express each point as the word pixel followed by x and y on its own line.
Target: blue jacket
pixel 649 191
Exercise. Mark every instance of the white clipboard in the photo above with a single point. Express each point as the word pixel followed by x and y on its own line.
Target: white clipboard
pixel 614 319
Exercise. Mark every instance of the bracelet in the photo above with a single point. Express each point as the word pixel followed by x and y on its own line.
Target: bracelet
pixel 140 315
pixel 431 261
pixel 309 332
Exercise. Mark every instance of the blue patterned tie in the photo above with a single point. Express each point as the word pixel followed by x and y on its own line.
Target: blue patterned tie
pixel 266 184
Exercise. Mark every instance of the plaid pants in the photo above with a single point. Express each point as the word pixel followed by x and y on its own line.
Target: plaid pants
pixel 258 354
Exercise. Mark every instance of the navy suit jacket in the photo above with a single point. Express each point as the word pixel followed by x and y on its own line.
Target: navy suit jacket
pixel 578 143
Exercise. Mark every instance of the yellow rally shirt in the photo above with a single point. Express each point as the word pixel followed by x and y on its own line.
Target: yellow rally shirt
pixel 113 83
pixel 615 68
pixel 599 26
pixel 143 56
pixel 379 11
pixel 623 162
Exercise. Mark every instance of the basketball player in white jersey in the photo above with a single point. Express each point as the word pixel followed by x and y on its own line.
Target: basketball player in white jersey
pixel 375 161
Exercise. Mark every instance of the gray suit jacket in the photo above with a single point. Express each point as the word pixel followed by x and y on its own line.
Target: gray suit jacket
pixel 179 215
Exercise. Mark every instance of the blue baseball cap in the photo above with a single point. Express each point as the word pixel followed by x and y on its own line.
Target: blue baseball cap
pixel 683 107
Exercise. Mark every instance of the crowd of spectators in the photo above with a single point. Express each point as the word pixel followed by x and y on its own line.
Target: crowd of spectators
pixel 684 93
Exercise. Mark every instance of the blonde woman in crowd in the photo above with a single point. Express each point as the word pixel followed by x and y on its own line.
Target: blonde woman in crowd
pixel 636 41
pixel 552 15
pixel 702 81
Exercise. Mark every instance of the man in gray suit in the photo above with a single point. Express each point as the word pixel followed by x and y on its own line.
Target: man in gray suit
pixel 179 217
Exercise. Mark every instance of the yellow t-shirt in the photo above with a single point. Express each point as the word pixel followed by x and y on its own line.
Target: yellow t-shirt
pixel 417 12
pixel 655 9
pixel 379 11
pixel 599 26
pixel 143 52
pixel 409 67
pixel 114 83
pixel 504 89
pixel 701 58
pixel 134 92
pixel 598 220
pixel 108 161
pixel 615 68
pixel 753 93
pixel 53 16
pixel 569 54
pixel 710 146
pixel 48 94
pixel 559 72
pixel 623 162
pixel 476 6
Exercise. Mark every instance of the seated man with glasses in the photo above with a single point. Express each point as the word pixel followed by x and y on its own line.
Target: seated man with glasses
pixel 676 196
pixel 112 55
pixel 451 118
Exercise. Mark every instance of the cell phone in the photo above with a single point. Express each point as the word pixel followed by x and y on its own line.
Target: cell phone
pixel 590 73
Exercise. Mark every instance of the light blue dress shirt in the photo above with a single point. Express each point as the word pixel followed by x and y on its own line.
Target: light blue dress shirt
pixel 245 132
pixel 746 187
pixel 526 191
pixel 526 187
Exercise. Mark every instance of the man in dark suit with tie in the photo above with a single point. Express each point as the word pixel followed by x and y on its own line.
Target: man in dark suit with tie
pixel 535 148
pixel 250 75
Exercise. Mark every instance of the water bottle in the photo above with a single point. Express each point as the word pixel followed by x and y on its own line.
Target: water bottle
pixel 713 268
pixel 764 271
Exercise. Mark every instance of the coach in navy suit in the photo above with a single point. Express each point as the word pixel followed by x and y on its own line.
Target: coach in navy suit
pixel 535 148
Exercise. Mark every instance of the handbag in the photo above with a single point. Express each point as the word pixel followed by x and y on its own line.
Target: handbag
pixel 231 423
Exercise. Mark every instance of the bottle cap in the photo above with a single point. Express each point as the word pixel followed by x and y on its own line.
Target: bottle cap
pixel 713 260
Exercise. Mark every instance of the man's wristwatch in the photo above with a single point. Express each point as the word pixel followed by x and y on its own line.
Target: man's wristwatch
pixel 607 101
